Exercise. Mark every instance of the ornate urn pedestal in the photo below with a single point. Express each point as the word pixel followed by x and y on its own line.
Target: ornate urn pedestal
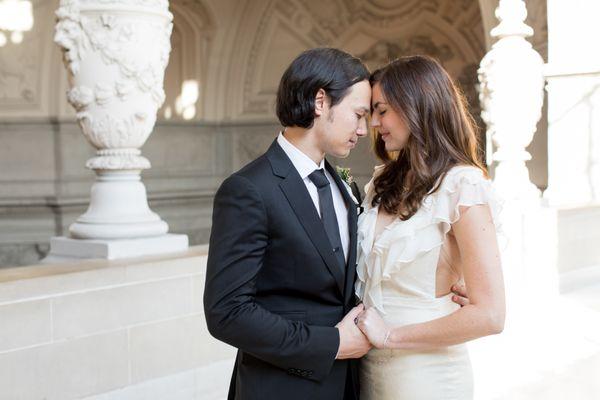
pixel 116 52
pixel 512 93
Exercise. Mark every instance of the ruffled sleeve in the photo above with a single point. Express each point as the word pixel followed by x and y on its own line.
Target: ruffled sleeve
pixel 464 186
pixel 403 243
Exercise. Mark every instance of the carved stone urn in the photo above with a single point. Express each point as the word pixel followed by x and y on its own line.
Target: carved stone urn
pixel 116 52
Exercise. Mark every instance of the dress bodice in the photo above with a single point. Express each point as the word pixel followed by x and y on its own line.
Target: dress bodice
pixel 397 269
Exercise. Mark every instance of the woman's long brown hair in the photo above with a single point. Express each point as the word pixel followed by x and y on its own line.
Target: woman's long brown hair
pixel 441 133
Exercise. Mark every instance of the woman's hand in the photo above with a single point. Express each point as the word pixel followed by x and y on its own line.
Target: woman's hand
pixel 374 327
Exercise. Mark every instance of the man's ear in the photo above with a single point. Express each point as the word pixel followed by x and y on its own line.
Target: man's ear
pixel 320 102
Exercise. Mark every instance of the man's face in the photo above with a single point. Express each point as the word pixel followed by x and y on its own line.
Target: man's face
pixel 340 126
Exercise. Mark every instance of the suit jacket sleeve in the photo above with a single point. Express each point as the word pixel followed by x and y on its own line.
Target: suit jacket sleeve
pixel 238 240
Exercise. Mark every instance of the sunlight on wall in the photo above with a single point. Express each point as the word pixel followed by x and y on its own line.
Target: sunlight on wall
pixel 168 113
pixel 16 16
pixel 185 104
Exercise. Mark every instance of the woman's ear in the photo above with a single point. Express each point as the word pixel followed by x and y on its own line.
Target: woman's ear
pixel 320 102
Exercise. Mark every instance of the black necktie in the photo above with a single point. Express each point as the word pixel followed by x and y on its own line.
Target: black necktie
pixel 328 216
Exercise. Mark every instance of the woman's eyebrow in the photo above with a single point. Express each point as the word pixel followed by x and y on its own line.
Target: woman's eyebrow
pixel 378 103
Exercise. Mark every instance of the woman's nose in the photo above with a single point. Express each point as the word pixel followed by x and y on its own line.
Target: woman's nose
pixel 374 121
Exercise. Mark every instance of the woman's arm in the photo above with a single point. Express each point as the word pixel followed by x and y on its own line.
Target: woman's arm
pixel 484 315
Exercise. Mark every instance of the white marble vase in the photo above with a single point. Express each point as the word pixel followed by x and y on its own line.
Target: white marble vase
pixel 116 52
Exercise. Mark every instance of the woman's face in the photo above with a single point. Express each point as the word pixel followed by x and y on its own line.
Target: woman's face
pixel 390 126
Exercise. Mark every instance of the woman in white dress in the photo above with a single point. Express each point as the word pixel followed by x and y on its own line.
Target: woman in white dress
pixel 429 224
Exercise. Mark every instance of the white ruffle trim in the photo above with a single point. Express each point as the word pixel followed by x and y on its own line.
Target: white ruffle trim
pixel 423 232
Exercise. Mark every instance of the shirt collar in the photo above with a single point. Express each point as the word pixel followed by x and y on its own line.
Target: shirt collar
pixel 303 163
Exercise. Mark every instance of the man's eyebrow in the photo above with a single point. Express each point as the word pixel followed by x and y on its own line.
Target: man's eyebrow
pixel 363 109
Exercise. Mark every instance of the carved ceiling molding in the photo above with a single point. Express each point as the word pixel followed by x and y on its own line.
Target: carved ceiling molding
pixel 336 21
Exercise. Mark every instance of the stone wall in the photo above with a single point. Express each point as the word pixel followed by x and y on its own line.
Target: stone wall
pixel 105 330
pixel 45 185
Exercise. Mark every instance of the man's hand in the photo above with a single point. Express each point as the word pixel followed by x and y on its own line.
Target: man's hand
pixel 353 343
pixel 460 294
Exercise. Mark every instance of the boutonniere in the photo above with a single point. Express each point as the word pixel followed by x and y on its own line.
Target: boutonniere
pixel 348 180
pixel 344 174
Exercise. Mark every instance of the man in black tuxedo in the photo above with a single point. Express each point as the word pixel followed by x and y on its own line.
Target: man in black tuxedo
pixel 282 255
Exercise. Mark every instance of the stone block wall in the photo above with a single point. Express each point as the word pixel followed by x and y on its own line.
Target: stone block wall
pixel 95 329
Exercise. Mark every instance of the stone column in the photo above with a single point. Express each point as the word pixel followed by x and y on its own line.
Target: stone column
pixel 116 52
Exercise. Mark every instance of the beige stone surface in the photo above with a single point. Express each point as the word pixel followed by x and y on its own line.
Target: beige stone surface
pixel 25 324
pixel 198 292
pixel 54 279
pixel 172 346
pixel 118 307
pixel 66 370
pixel 132 328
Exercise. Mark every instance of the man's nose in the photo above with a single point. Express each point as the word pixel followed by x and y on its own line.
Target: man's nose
pixel 362 128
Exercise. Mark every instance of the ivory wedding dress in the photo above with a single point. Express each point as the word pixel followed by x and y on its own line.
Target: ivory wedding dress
pixel 397 276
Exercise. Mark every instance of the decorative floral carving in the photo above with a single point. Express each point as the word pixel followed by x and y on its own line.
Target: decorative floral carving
pixel 160 4
pixel 124 88
pixel 107 131
pixel 104 93
pixel 121 162
pixel 383 52
pixel 116 41
pixel 80 97
pixel 69 34
pixel 19 73
pixel 456 42
pixel 133 48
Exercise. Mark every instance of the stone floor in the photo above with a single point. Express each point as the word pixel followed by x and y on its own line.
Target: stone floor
pixel 551 353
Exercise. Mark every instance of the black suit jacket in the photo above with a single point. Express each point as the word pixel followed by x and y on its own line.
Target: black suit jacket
pixel 274 288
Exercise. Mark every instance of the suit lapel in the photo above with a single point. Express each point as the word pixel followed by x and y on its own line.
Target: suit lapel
pixel 352 227
pixel 297 195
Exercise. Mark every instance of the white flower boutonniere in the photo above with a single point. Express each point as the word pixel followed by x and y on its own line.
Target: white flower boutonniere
pixel 344 173
pixel 347 178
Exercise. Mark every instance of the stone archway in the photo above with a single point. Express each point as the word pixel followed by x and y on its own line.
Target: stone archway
pixel 274 32
pixel 449 30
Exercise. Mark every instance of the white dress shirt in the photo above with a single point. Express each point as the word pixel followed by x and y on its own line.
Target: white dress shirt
pixel 305 166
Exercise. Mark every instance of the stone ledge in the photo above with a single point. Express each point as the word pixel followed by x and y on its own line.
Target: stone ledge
pixel 48 280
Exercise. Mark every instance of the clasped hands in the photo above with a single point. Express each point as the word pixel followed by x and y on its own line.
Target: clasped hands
pixel 364 328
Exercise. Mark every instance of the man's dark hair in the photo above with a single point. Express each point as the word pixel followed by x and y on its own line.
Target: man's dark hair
pixel 325 68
